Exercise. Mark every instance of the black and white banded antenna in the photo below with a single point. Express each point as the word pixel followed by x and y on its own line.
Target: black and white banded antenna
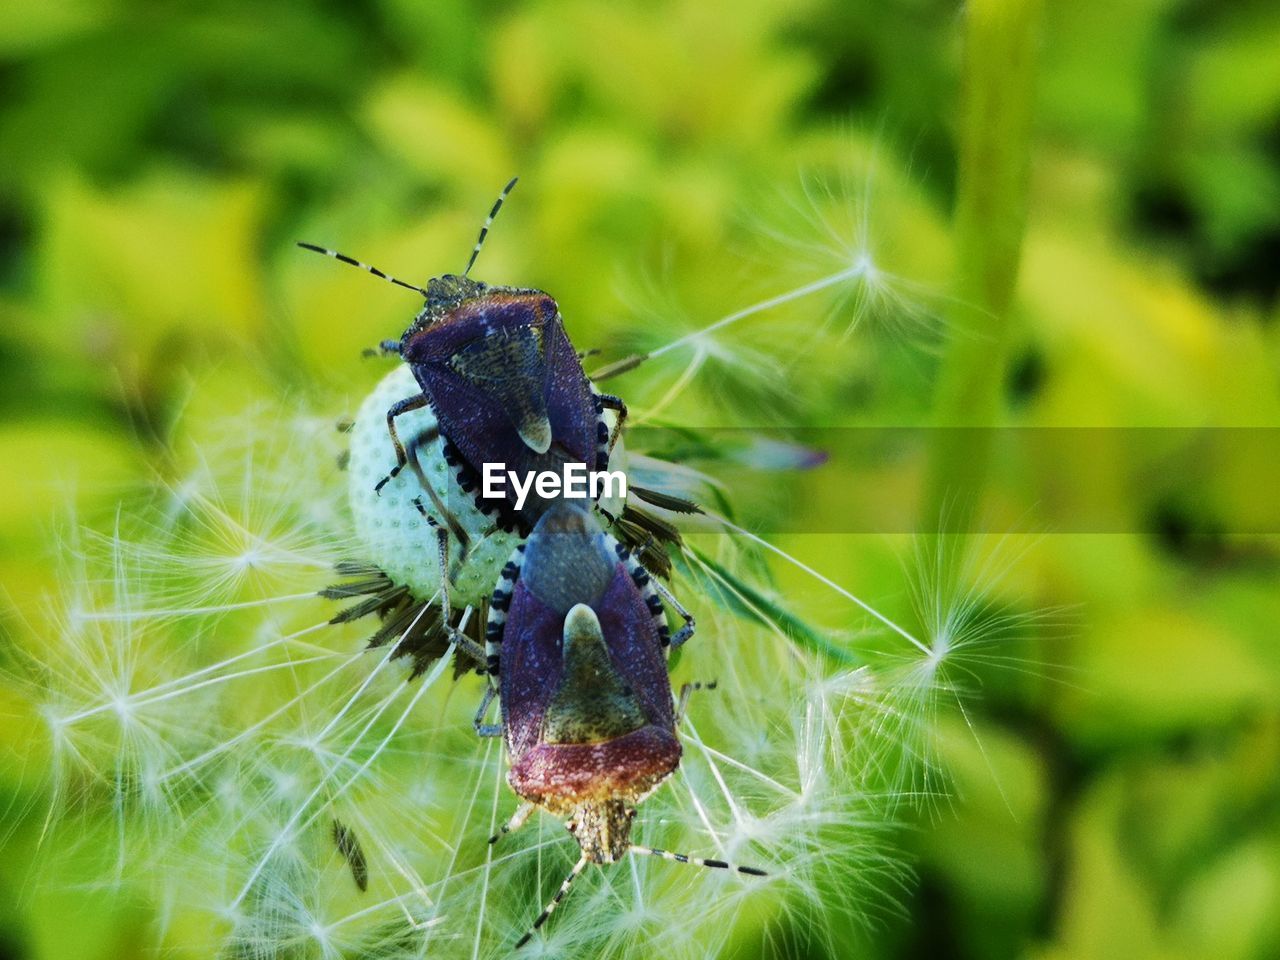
pixel 550 908
pixel 697 861
pixel 484 231
pixel 634 848
pixel 363 266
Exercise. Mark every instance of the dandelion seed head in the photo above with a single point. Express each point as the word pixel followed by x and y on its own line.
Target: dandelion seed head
pixel 392 532
pixel 204 713
pixel 845 220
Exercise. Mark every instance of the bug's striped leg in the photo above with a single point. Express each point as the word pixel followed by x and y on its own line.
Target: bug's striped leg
pixel 653 593
pixel 487 729
pixel 385 348
pixel 697 861
pixel 685 632
pixel 608 400
pixel 515 823
pixel 499 603
pixel 555 901
pixel 400 407
pixel 686 692
pixel 455 633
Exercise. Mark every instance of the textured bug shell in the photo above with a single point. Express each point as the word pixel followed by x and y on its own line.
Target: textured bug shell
pixel 505 382
pixel 586 703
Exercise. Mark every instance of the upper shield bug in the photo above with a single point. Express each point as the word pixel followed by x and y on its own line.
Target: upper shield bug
pixel 576 648
pixel 496 367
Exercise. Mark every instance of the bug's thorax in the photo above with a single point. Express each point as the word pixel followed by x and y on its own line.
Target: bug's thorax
pixel 603 829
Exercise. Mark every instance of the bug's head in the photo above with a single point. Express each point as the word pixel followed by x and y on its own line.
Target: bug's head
pixel 450 291
pixel 603 829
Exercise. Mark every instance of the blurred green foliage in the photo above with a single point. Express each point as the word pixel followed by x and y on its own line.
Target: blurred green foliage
pixel 1122 795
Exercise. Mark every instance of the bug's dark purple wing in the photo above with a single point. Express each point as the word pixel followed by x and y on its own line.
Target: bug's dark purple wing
pixel 591 718
pixel 480 316
pixel 634 648
pixel 532 665
pixel 484 370
pixel 506 385
pixel 571 405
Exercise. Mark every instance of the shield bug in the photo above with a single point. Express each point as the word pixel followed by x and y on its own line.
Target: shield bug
pixel 505 384
pixel 576 649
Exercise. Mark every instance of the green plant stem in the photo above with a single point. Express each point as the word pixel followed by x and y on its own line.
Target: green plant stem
pixel 994 143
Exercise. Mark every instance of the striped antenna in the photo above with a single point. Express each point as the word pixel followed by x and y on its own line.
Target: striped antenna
pixel 484 231
pixel 697 861
pixel 555 901
pixel 363 266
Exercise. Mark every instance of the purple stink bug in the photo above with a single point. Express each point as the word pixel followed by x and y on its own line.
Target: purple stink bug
pixel 576 648
pixel 497 369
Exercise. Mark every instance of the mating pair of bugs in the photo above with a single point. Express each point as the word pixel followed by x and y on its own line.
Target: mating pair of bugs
pixel 576 640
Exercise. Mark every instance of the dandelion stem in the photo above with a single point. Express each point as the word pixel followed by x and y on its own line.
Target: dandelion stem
pixel 449 871
pixel 248 732
pixel 715 772
pixel 747 768
pixel 996 108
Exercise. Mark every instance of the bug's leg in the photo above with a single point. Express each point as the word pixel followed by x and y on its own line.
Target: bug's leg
pixel 408 404
pixel 385 348
pixel 686 691
pixel 515 823
pixel 555 901
pixel 456 636
pixel 487 729
pixel 697 861
pixel 685 632
pixel 499 603
pixel 618 367
pixel 411 457
pixel 653 592
pixel 606 400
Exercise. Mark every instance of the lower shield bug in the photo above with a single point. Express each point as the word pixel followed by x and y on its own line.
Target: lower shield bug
pixel 576 649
